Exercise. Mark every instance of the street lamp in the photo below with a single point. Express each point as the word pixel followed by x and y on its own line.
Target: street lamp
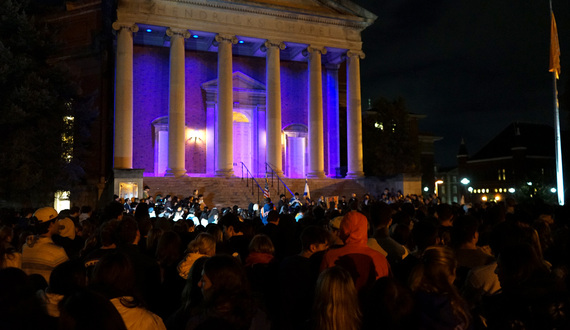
pixel 465 181
pixel 438 182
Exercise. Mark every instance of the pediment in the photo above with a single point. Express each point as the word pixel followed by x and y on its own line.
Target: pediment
pixel 241 82
pixel 343 12
pixel 331 23
pixel 313 7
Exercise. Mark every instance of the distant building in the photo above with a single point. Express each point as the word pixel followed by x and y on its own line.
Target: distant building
pixel 450 190
pixel 519 159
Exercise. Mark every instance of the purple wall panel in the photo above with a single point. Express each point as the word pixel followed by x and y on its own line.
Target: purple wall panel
pixel 150 100
pixel 200 67
pixel 294 92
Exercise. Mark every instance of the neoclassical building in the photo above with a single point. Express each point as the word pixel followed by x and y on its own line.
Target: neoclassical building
pixel 203 86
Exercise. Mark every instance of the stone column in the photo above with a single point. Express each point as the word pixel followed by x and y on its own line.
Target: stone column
pixel 273 106
pixel 225 153
pixel 123 142
pixel 333 119
pixel 177 101
pixel 354 115
pixel 316 140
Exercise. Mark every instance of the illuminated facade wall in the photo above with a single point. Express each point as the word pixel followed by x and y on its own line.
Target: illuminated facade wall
pixel 150 94
pixel 155 42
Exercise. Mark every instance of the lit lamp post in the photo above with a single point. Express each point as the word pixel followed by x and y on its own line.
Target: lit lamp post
pixel 438 182
pixel 464 182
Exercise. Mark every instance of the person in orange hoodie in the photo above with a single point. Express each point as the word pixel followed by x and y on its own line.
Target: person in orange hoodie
pixel 363 263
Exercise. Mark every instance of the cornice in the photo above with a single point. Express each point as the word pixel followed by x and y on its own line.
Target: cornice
pixel 351 21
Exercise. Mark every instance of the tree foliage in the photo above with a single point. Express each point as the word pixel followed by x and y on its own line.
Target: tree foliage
pixel 388 143
pixel 35 97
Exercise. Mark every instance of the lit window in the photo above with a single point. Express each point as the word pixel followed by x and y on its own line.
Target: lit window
pixel 128 190
pixel 61 200
pixel 240 117
pixel 67 137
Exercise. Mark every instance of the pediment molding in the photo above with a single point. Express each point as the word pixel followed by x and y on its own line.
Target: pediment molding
pixel 246 90
pixel 341 12
pixel 240 81
pixel 337 24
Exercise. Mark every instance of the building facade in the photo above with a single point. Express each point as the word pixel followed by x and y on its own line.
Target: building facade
pixel 216 88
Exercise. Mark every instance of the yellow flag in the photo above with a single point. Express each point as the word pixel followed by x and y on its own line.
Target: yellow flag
pixel 554 49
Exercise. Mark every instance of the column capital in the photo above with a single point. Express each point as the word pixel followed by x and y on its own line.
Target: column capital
pixel 184 33
pixel 313 48
pixel 273 43
pixel 226 38
pixel 121 25
pixel 352 53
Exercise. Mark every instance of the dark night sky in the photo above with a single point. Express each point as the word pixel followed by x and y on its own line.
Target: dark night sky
pixel 472 67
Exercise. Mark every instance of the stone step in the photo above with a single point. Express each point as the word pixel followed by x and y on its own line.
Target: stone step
pixel 224 192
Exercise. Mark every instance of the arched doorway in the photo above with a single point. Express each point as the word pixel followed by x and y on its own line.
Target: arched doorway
pixel 248 128
pixel 160 137
pixel 295 151
pixel 243 141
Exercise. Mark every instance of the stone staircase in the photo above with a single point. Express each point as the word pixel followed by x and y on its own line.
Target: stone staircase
pixel 223 192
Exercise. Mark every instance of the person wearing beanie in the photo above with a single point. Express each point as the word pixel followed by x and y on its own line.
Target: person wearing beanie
pixel 355 255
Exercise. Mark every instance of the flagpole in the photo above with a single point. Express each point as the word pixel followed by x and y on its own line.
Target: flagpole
pixel 557 141
pixel 559 171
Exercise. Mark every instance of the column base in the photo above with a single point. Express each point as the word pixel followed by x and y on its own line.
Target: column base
pixel 224 173
pixel 125 163
pixel 278 172
pixel 175 173
pixel 354 175
pixel 316 175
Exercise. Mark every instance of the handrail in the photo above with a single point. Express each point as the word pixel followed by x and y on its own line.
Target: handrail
pixel 250 175
pixel 278 179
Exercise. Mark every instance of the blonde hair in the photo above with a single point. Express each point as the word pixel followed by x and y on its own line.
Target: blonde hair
pixel 204 243
pixel 261 243
pixel 336 305
pixel 434 274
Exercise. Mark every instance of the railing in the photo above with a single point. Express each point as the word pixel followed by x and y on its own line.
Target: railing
pixel 273 173
pixel 248 176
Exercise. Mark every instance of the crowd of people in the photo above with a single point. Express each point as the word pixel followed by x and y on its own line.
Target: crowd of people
pixel 393 262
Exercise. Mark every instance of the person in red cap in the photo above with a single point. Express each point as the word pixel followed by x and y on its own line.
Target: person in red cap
pixel 40 255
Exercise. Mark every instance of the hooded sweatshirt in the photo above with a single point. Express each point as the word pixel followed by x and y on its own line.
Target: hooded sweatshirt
pixel 354 233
